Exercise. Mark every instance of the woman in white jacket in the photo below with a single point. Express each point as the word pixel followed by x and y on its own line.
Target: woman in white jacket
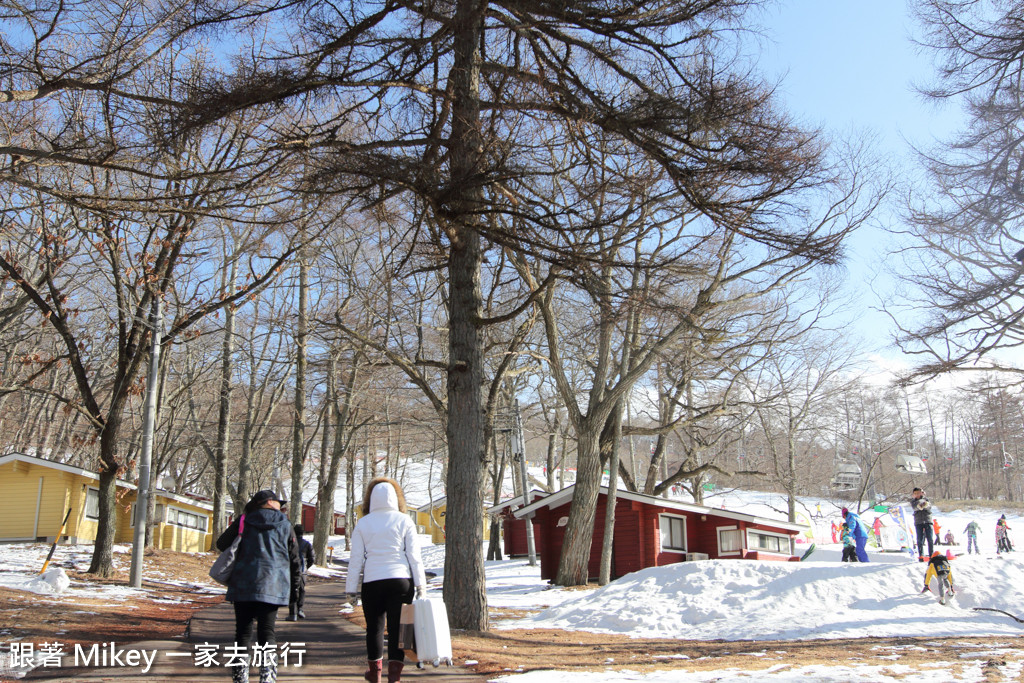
pixel 386 552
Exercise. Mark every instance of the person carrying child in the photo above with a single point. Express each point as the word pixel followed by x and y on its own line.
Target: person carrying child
pixel 859 531
pixel 922 522
pixel 938 568
pixel 849 549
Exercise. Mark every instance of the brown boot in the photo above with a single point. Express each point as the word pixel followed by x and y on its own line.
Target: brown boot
pixel 395 670
pixel 373 670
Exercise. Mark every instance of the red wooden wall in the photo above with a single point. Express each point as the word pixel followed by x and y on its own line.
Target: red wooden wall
pixel 637 541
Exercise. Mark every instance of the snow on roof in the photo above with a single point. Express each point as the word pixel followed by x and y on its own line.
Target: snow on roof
pixel 534 495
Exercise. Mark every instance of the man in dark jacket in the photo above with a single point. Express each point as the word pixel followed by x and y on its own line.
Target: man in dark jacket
pixel 306 561
pixel 922 522
pixel 265 575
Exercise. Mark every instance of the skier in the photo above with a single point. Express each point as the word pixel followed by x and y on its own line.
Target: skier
pixel 1002 538
pixel 859 531
pixel 922 522
pixel 938 568
pixel 849 550
pixel 972 530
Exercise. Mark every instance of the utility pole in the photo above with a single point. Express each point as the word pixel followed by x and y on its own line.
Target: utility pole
pixel 519 456
pixel 148 427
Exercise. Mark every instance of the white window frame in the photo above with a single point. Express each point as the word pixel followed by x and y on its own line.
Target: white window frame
pixel 761 532
pixel 661 535
pixel 89 490
pixel 173 519
pixel 728 553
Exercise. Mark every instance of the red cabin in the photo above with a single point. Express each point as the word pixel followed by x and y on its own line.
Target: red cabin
pixel 309 517
pixel 513 529
pixel 652 531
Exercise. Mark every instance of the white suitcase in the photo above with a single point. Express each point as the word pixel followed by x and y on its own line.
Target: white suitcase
pixel 433 639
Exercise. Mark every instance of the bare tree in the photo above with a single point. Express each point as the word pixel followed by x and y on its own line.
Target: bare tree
pixel 964 252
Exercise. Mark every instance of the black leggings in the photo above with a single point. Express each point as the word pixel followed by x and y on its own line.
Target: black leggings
pixel 265 615
pixel 382 599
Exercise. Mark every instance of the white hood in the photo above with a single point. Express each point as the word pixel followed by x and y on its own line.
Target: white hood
pixel 383 497
pixel 384 543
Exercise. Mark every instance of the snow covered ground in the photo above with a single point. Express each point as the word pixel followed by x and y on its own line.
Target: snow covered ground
pixel 21 562
pixel 744 601
pixel 751 601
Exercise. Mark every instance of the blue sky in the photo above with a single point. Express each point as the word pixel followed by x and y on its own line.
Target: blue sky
pixel 849 67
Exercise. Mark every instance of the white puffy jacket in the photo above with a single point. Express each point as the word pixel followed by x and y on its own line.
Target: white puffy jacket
pixel 384 543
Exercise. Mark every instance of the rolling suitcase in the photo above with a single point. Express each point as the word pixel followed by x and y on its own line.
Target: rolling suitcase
pixel 433 639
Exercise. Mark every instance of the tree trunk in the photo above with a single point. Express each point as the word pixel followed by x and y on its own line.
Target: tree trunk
pixel 103 553
pixel 220 452
pixel 464 586
pixel 605 575
pixel 299 426
pixel 579 531
pixel 324 524
pixel 464 591
pixel 497 477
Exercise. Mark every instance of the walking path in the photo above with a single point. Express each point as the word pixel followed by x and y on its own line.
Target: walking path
pixel 332 648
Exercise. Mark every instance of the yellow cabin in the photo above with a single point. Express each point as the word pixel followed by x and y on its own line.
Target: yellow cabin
pixel 430 520
pixel 36 493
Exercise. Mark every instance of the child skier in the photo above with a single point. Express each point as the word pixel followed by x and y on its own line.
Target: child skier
pixel 972 530
pixel 938 568
pixel 1002 538
pixel 849 549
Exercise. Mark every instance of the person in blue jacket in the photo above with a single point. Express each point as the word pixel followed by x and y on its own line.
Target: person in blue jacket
pixel 859 530
pixel 265 576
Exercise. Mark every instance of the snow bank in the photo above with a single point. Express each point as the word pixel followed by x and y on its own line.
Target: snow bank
pixel 740 600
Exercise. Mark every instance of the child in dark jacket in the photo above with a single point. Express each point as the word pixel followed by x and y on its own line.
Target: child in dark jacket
pixel 298 597
pixel 849 548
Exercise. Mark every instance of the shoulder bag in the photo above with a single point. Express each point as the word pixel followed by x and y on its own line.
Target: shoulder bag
pixel 225 562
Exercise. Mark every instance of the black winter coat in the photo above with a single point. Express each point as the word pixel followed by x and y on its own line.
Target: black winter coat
pixel 305 554
pixel 268 566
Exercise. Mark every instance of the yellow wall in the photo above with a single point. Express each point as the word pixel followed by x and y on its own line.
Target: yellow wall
pixel 433 522
pixel 174 537
pixel 22 494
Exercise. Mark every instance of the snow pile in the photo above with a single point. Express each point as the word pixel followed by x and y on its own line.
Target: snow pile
pixel 54 580
pixel 740 600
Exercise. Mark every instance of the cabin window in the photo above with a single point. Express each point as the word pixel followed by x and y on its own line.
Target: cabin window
pixel 730 541
pixel 92 503
pixel 769 542
pixel 184 518
pixel 673 532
